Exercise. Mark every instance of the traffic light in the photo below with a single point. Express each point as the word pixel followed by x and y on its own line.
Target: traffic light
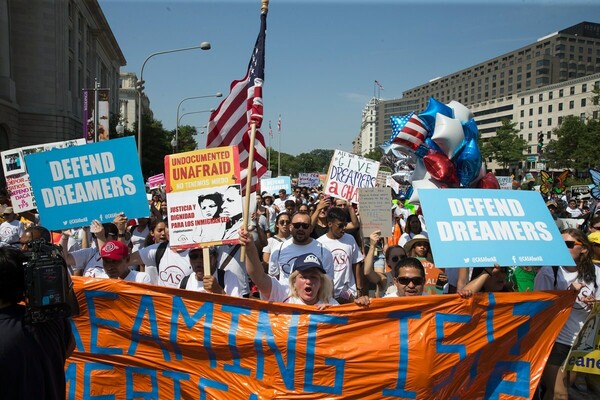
pixel 139 86
pixel 540 142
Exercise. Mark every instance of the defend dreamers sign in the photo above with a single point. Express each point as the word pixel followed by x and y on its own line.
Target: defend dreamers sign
pixel 478 228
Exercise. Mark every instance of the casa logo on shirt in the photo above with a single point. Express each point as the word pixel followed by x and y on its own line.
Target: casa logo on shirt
pixel 172 275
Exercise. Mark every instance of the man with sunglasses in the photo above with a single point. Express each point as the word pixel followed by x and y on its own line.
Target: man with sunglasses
pixel 283 257
pixel 346 255
pixel 409 278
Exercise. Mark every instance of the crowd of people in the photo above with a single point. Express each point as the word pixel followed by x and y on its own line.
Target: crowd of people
pixel 307 248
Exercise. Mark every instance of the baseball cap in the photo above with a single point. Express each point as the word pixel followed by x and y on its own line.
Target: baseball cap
pixel 594 237
pixel 308 261
pixel 114 250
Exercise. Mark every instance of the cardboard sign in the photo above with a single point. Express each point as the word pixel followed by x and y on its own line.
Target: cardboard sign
pixel 506 182
pixel 375 211
pixel 143 341
pixel 203 196
pixel 478 228
pixel 308 179
pixel 581 192
pixel 383 178
pixel 76 185
pixel 349 172
pixel 274 185
pixel 21 194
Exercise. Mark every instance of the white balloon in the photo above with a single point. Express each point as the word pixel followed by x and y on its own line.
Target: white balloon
pixel 422 184
pixel 462 113
pixel 448 134
pixel 420 171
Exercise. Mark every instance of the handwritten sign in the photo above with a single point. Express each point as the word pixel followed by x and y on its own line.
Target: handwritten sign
pixel 375 211
pixel 349 172
pixel 76 185
pixel 203 197
pixel 478 227
pixel 142 341
pixel 308 179
pixel 274 185
pixel 506 182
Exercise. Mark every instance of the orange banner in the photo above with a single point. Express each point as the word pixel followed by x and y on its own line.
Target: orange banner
pixel 142 341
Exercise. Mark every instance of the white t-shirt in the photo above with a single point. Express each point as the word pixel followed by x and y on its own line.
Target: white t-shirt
pixel 283 257
pixel 76 238
pixel 281 293
pixel 345 254
pixel 174 266
pixel 273 243
pixel 575 212
pixel 90 262
pixel 544 280
pixel 138 238
pixel 11 232
pixel 235 266
pixel 137 276
pixel 231 288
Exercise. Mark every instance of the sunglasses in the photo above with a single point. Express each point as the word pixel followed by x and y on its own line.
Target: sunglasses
pixel 416 280
pixel 285 222
pixel 395 259
pixel 596 228
pixel 570 243
pixel 341 225
pixel 298 225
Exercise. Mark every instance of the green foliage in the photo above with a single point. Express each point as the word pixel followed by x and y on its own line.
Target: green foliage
pixel 375 154
pixel 314 161
pixel 187 141
pixel 576 147
pixel 506 147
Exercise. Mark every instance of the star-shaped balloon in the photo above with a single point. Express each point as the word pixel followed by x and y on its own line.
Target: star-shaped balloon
pixel 434 107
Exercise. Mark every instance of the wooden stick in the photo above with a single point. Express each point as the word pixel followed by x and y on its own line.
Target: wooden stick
pixel 206 261
pixel 248 184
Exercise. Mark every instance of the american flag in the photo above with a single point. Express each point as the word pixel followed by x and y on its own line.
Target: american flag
pixel 270 129
pixel 379 84
pixel 229 124
pixel 279 124
pixel 408 131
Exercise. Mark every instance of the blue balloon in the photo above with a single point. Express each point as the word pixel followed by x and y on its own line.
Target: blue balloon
pixel 433 146
pixel 398 123
pixel 434 107
pixel 468 163
pixel 470 130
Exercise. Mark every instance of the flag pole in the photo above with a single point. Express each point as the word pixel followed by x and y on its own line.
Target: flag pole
pixel 264 9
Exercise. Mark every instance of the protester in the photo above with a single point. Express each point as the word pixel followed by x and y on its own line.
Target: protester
pixel 158 233
pixel 115 258
pixel 283 257
pixel 273 209
pixel 346 255
pixel 32 356
pixel 11 229
pixel 573 210
pixel 318 219
pixel 436 279
pixel 219 282
pixel 282 233
pixel 594 225
pixel 583 277
pixel 489 280
pixel 280 201
pixel 594 239
pixel 87 262
pixel 308 283
pixel 376 260
pixel 413 228
pixel 409 278
pixel 138 234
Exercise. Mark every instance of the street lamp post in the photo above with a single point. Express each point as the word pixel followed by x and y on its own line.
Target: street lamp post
pixel 218 94
pixel 140 86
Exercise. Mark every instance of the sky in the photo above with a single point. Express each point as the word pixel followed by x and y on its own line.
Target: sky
pixel 322 57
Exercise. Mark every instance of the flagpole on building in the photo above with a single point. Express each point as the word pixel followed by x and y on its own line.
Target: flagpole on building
pixel 269 150
pixel 279 152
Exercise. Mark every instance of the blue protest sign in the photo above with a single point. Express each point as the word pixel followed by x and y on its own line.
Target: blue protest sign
pixel 274 185
pixel 76 185
pixel 478 228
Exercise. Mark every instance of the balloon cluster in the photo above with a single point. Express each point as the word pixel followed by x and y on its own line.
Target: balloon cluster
pixel 443 141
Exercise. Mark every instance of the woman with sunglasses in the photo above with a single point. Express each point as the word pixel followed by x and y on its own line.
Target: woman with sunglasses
pixel 377 263
pixel 282 233
pixel 583 277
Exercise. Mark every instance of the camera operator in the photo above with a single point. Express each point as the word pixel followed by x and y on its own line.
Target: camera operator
pixel 32 356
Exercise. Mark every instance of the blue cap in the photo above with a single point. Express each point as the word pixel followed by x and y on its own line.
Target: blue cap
pixel 308 261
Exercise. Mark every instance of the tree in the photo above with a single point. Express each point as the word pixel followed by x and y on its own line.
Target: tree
pixel 186 134
pixel 506 147
pixel 375 154
pixel 576 147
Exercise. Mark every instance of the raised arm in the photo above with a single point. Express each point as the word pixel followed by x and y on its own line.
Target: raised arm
pixel 369 271
pixel 254 267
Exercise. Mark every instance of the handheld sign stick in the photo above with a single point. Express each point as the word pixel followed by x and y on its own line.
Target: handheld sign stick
pixel 206 260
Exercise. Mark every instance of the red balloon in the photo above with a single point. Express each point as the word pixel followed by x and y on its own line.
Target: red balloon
pixel 440 168
pixel 488 181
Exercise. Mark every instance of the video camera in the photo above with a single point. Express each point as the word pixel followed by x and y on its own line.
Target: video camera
pixel 47 283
